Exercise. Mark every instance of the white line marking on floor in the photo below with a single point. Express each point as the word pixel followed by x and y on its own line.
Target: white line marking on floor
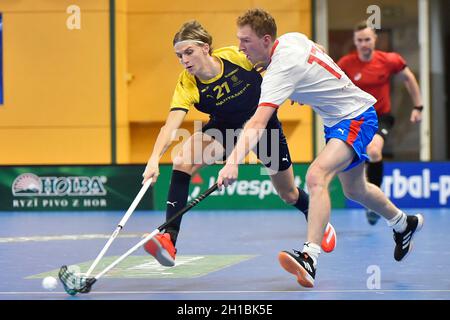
pixel 67 237
pixel 230 292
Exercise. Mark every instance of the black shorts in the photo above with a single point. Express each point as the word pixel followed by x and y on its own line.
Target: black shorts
pixel 272 149
pixel 385 123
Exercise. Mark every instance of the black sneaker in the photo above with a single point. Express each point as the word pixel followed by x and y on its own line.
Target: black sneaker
pixel 372 217
pixel 403 240
pixel 299 264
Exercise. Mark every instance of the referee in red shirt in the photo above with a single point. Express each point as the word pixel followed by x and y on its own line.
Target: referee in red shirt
pixel 371 70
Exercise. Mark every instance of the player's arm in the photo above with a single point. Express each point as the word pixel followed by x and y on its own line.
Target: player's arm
pixel 248 139
pixel 413 89
pixel 163 142
pixel 277 86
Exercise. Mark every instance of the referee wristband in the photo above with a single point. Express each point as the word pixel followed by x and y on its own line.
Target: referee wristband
pixel 420 108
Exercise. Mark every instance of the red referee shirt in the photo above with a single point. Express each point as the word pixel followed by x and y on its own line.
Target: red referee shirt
pixel 373 76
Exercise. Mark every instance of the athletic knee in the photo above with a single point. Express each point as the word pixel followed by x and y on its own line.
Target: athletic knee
pixel 180 165
pixel 374 153
pixel 315 179
pixel 289 196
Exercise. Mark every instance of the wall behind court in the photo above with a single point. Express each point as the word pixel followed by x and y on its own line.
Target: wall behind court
pixel 154 68
pixel 56 83
pixel 57 106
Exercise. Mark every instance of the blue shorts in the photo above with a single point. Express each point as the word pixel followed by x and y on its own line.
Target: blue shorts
pixel 357 133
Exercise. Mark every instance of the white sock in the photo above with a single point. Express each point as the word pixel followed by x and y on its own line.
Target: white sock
pixel 398 222
pixel 313 250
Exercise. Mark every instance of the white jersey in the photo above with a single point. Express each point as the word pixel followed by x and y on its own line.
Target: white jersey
pixel 300 71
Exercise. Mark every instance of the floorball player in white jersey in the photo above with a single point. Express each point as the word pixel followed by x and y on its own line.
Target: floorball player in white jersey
pixel 297 69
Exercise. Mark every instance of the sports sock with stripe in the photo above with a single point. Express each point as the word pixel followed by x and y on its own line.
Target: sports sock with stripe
pixel 313 250
pixel 398 223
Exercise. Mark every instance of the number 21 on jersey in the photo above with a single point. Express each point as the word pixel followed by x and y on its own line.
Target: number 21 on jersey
pixel 220 88
pixel 314 56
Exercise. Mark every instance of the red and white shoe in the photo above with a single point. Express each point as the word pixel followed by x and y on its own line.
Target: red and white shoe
pixel 162 248
pixel 329 239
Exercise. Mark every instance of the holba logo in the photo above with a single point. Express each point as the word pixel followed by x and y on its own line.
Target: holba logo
pixel 28 184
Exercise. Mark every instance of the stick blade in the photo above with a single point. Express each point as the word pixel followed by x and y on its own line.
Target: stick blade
pixel 74 283
pixel 88 285
pixel 65 276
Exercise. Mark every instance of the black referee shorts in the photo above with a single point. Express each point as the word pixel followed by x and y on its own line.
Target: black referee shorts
pixel 385 123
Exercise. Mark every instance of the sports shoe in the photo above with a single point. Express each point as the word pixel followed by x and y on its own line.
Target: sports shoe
pixel 372 217
pixel 299 264
pixel 162 248
pixel 403 240
pixel 329 239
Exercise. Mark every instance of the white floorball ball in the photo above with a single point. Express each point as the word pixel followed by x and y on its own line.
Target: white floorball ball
pixel 49 283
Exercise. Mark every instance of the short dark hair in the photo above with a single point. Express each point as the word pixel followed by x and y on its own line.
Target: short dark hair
pixel 362 25
pixel 260 21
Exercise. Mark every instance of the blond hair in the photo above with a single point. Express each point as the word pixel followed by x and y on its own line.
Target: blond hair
pixel 193 30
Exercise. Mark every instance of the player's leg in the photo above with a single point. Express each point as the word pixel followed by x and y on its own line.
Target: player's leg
pixel 193 155
pixel 345 149
pixel 335 156
pixel 275 146
pixel 284 183
pixel 199 150
pixel 375 167
pixel 357 188
pixel 273 151
pixel 375 170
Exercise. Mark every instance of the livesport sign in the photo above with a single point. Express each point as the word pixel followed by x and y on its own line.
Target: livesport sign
pixel 253 189
pixel 416 184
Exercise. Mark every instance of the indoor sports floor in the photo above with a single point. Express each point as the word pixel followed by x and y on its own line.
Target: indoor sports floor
pixel 223 255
